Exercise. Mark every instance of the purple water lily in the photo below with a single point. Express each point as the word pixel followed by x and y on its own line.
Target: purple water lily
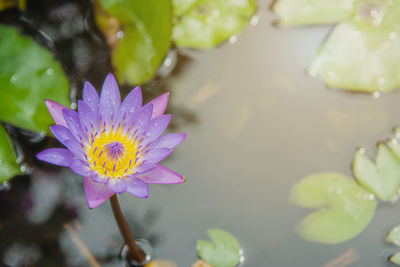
pixel 115 146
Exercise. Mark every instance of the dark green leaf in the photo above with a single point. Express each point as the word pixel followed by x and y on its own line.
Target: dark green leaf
pixel 144 38
pixel 8 161
pixel 28 75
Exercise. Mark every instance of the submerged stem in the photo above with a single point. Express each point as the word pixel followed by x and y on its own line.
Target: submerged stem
pixel 135 252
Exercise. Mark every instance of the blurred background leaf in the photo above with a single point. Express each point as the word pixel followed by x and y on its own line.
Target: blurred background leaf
pixel 206 23
pixel 394 238
pixel 28 75
pixel 362 52
pixel 344 208
pixel 182 6
pixel 6 4
pixel 142 39
pixel 305 12
pixel 8 161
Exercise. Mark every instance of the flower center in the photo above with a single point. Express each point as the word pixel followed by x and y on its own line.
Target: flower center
pixel 113 154
pixel 114 150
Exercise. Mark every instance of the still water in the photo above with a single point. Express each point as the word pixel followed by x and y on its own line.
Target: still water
pixel 256 125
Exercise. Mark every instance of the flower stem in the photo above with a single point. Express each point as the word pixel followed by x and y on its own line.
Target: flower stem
pixel 135 252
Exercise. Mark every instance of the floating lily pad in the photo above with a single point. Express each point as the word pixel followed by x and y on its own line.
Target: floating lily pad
pixel 394 143
pixel 305 12
pixel 8 161
pixel 28 75
pixel 394 236
pixel 344 208
pixel 144 37
pixel 223 252
pixel 382 178
pixel 182 6
pixel 395 258
pixel 363 54
pixel 209 22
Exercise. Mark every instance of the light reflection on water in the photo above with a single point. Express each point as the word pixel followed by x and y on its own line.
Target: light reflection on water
pixel 257 125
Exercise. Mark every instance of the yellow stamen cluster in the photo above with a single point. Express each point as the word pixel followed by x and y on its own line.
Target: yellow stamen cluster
pixel 113 153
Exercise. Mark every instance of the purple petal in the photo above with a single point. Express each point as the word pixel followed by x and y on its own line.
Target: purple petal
pixel 88 119
pixel 66 138
pixel 161 175
pixel 72 119
pixel 156 155
pixel 156 128
pixel 131 104
pixel 110 99
pixel 137 187
pixel 144 167
pixel 79 167
pixel 100 178
pixel 168 140
pixel 90 97
pixel 141 120
pixel 95 193
pixel 56 112
pixel 159 105
pixel 117 185
pixel 56 156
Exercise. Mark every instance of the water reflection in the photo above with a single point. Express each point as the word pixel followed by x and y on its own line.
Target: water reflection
pixel 30 244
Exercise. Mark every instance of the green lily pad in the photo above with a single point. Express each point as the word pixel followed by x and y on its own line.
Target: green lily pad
pixel 144 38
pixel 8 161
pixel 207 23
pixel 363 54
pixel 394 236
pixel 223 252
pixel 395 258
pixel 394 143
pixel 382 178
pixel 306 12
pixel 28 75
pixel 182 6
pixel 344 208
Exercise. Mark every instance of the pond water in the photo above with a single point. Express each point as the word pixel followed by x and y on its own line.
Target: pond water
pixel 256 125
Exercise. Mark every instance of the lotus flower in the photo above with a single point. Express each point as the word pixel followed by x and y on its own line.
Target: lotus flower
pixel 115 146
